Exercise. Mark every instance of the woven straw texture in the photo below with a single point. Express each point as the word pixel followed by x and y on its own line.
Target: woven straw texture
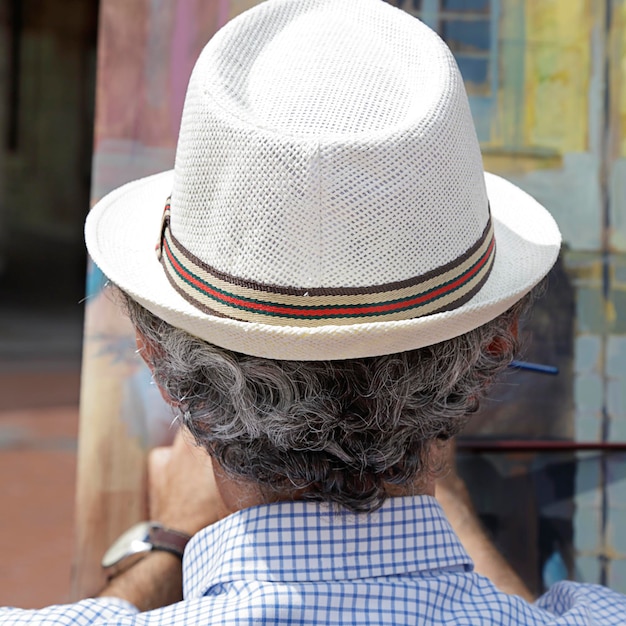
pixel 317 159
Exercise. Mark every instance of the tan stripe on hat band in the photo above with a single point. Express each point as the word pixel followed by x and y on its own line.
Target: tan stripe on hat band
pixel 217 293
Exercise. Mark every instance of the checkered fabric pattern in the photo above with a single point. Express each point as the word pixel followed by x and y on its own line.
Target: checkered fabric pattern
pixel 299 563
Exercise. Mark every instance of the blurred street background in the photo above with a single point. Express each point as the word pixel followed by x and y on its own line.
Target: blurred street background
pixel 47 81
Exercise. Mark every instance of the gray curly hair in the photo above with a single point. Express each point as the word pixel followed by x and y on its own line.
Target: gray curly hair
pixel 338 431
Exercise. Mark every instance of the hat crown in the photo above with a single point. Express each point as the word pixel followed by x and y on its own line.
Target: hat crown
pixel 327 144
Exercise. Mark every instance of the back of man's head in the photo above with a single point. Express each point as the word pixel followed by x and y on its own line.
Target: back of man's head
pixel 334 275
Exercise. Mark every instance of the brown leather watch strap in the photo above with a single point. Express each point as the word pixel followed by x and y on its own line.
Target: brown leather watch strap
pixel 169 540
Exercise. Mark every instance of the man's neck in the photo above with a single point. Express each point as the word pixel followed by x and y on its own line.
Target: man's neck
pixel 238 494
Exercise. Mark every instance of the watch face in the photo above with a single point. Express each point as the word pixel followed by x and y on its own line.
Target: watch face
pixel 133 542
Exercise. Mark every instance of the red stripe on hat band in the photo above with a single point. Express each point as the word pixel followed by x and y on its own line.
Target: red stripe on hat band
pixel 333 309
pixel 224 295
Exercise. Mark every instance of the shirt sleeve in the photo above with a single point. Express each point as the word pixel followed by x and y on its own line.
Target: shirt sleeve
pixel 578 603
pixel 91 612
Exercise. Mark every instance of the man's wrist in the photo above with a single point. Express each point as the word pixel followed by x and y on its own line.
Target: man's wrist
pixel 153 582
pixel 138 541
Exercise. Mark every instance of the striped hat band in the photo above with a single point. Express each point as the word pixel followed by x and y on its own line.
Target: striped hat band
pixel 442 289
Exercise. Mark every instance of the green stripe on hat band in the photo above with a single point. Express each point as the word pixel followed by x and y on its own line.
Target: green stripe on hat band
pixel 215 292
pixel 177 272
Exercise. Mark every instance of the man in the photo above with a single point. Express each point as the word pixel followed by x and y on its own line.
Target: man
pixel 336 283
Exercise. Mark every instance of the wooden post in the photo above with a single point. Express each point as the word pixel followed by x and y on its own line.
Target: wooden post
pixel 146 52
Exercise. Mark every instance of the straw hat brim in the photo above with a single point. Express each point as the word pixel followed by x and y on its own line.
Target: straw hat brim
pixel 123 228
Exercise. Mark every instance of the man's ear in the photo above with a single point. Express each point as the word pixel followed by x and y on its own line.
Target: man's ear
pixel 147 352
pixel 144 350
pixel 498 346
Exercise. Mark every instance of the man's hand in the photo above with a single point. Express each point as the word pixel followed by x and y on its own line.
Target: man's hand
pixel 456 503
pixel 454 497
pixel 183 494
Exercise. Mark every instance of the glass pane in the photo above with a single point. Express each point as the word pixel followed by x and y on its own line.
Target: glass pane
pixel 475 73
pixel 467 36
pixel 412 6
pixel 473 6
pixel 561 503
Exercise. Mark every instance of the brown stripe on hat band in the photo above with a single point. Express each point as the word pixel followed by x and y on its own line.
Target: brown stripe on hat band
pixel 217 293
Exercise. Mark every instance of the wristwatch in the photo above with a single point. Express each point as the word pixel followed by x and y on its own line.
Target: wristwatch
pixel 138 541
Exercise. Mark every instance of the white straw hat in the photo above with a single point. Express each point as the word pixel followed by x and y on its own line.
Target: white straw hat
pixel 328 199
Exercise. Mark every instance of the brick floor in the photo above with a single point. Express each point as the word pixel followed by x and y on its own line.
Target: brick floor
pixel 40 350
pixel 37 476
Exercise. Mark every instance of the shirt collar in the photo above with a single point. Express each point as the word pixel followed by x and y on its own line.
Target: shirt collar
pixel 308 541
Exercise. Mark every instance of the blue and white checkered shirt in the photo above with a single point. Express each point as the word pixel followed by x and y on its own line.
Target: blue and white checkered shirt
pixel 298 563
